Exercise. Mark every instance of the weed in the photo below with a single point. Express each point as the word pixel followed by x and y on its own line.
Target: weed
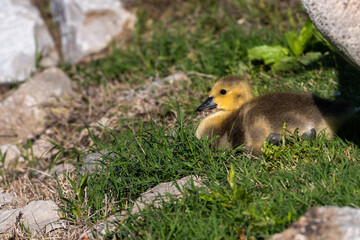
pixel 76 205
pixel 2 167
pixel 279 57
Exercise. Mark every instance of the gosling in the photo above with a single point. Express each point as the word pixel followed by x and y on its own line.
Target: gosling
pixel 241 119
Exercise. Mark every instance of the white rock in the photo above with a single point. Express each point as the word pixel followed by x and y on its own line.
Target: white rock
pixel 161 192
pixel 35 216
pixel 23 34
pixel 324 223
pixel 88 26
pixel 155 195
pixel 338 21
pixel 24 112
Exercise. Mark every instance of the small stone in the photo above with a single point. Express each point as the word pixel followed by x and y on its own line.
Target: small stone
pixel 176 77
pixel 161 192
pixel 12 152
pixel 24 114
pixel 41 149
pixel 35 217
pixel 100 230
pixel 62 168
pixel 155 195
pixel 103 122
pixel 6 198
pixel 93 160
pixel 324 223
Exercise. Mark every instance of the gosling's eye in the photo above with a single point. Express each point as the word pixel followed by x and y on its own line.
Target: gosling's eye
pixel 223 91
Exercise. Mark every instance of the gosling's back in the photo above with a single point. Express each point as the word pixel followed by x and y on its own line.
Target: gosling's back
pixel 267 114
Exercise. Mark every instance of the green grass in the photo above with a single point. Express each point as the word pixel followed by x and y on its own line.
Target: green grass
pixel 275 189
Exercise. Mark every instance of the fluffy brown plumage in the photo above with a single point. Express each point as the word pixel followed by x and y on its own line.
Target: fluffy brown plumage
pixel 243 119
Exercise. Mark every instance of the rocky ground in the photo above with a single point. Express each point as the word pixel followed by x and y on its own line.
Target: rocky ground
pixel 93 108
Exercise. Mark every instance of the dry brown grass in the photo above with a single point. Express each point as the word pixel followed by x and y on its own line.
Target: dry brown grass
pixel 27 189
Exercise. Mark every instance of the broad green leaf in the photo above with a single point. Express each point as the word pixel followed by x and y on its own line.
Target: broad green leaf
pixel 269 54
pixel 286 64
pixel 310 57
pixel 297 44
pixel 306 33
pixel 293 43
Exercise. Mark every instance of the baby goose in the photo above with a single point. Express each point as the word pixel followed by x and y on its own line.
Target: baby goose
pixel 243 119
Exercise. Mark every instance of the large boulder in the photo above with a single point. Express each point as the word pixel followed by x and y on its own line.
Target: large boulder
pixel 88 26
pixel 23 36
pixel 338 21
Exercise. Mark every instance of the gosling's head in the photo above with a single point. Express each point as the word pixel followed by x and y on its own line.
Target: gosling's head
pixel 228 94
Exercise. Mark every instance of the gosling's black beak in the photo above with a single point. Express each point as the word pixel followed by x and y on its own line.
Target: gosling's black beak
pixel 208 104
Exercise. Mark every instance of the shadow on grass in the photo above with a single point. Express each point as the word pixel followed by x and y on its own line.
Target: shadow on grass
pixel 349 87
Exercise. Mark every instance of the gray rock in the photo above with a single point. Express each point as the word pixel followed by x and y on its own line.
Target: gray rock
pixel 99 230
pixel 338 21
pixel 324 223
pixel 161 192
pixel 6 198
pixel 88 26
pixel 155 195
pixel 62 168
pixel 35 216
pixel 23 35
pixel 41 149
pixel 92 161
pixel 11 152
pixel 24 114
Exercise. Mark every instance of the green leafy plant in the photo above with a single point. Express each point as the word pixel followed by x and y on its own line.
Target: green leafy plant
pixel 282 58
pixel 28 154
pixel 75 206
pixel 228 199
